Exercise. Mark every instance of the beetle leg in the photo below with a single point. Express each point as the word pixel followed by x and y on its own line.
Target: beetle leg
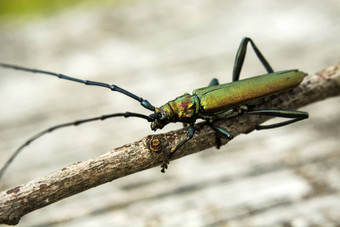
pixel 241 54
pixel 220 133
pixel 190 134
pixel 218 139
pixel 218 142
pixel 296 115
pixel 213 82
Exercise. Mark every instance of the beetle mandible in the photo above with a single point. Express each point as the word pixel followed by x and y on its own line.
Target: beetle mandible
pixel 217 101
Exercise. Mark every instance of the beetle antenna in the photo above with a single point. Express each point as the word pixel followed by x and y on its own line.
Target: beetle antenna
pixel 112 87
pixel 149 118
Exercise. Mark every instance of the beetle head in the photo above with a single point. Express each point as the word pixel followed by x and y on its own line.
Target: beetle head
pixel 183 109
pixel 164 115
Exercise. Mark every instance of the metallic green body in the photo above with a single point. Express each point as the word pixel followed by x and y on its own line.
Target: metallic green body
pixel 211 101
pixel 220 98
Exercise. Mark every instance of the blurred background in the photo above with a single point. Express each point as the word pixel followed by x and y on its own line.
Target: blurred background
pixel 158 50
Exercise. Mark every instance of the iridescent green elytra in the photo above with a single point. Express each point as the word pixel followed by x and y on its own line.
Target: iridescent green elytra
pixel 210 103
pixel 219 98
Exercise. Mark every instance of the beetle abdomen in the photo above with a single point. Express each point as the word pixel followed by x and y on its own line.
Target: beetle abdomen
pixel 220 98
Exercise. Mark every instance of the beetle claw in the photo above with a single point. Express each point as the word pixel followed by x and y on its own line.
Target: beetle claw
pixel 164 166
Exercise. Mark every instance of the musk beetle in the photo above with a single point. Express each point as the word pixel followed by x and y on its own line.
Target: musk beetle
pixel 216 101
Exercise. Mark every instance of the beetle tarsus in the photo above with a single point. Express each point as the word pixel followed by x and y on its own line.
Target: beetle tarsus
pixel 164 166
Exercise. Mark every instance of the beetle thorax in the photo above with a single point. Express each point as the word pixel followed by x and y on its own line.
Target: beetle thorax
pixel 184 109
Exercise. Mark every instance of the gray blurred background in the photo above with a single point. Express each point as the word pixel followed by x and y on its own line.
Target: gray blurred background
pixel 159 50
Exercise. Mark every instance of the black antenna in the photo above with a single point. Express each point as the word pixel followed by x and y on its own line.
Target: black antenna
pixel 112 87
pixel 149 118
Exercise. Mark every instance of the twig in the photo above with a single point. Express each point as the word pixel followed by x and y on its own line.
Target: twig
pixel 150 150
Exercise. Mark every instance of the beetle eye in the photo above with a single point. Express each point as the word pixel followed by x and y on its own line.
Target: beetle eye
pixel 163 116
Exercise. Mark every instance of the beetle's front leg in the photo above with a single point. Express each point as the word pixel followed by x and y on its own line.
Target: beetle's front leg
pixel 190 134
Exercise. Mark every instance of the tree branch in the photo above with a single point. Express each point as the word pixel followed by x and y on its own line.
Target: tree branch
pixel 150 151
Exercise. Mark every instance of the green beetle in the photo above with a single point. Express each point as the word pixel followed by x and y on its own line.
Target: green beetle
pixel 217 101
pixel 221 101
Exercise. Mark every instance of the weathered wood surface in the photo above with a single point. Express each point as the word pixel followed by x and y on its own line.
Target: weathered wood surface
pixel 286 176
